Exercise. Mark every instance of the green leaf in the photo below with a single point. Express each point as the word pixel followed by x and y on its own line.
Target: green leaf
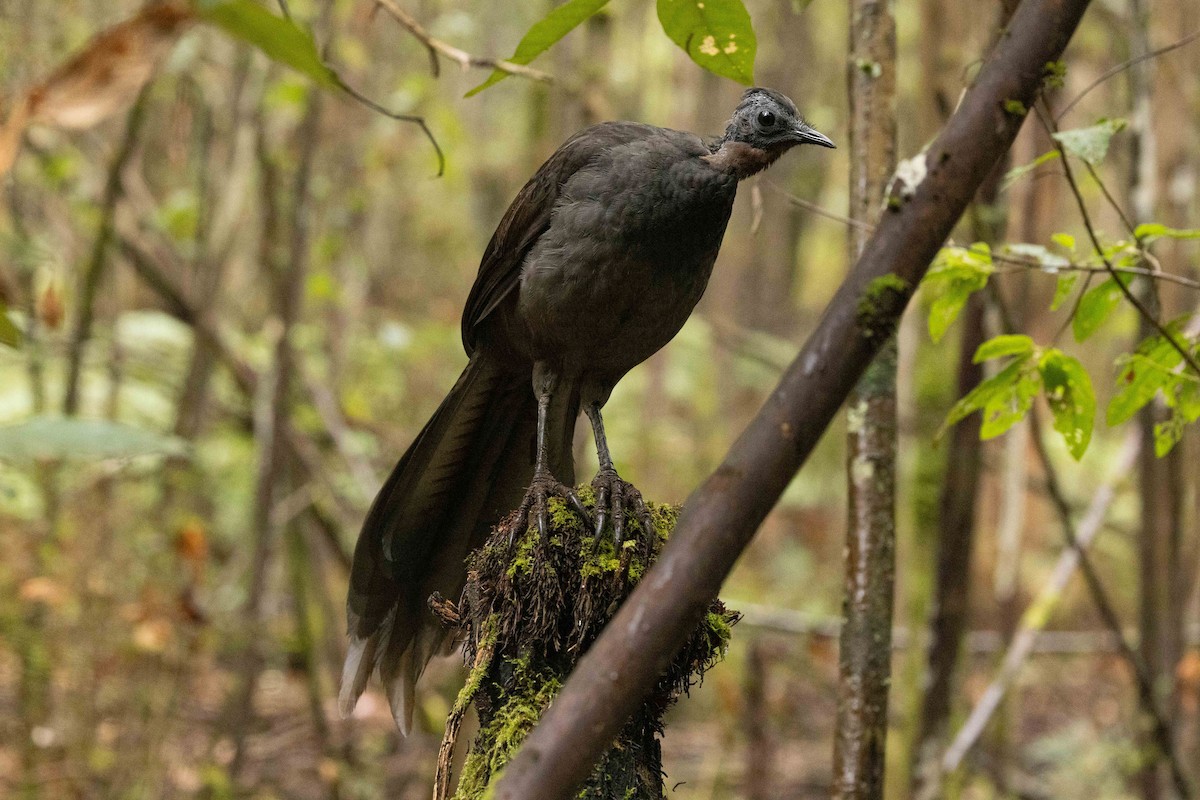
pixel 1168 433
pixel 544 33
pixel 54 438
pixel 280 39
pixel 1149 231
pixel 1139 380
pixel 1072 401
pixel 1091 143
pixel 1062 289
pixel 1153 366
pixel 1183 398
pixel 1016 173
pixel 716 34
pixel 1005 399
pixel 10 334
pixel 1004 345
pixel 1064 240
pixel 1095 306
pixel 957 272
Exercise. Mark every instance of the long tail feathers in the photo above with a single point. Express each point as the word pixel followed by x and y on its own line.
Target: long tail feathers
pixel 467 467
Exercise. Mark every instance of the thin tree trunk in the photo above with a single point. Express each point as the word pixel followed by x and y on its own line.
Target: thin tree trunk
pixel 865 658
pixel 98 260
pixel 757 783
pixel 955 542
pixel 272 415
pixel 1160 480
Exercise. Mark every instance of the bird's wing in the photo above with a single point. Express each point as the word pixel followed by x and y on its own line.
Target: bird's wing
pixel 529 216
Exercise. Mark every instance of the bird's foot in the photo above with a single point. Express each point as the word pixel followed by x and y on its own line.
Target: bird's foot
pixel 615 497
pixel 536 504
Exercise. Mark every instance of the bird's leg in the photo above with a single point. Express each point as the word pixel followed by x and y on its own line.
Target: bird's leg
pixel 612 493
pixel 544 485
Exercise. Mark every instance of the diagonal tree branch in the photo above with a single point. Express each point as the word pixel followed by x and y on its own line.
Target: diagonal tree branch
pixel 720 518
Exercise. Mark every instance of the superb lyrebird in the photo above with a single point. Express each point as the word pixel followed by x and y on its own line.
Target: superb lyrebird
pixel 596 265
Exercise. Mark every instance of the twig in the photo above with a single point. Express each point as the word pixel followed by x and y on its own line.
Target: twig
pixel 330 411
pixel 411 118
pixel 1191 37
pixel 1161 729
pixel 1112 201
pixel 464 59
pixel 1143 271
pixel 792 622
pixel 813 208
pixel 1030 263
pixel 1095 239
pixel 98 260
pixel 1026 636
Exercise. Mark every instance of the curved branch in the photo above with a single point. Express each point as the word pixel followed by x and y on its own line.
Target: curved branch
pixel 461 57
pixel 1119 68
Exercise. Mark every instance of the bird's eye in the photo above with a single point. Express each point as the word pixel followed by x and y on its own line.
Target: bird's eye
pixel 766 119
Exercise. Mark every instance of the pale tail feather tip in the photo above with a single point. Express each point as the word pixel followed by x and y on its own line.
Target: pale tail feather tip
pixel 355 673
pixel 401 692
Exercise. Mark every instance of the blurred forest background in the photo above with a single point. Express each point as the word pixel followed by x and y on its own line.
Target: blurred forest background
pixel 240 301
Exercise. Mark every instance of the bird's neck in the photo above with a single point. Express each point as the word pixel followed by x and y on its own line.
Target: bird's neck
pixel 740 159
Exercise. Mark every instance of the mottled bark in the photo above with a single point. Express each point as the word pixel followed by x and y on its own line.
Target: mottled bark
pixel 865 653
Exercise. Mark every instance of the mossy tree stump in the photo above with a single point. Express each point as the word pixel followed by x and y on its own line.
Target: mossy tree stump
pixel 531 607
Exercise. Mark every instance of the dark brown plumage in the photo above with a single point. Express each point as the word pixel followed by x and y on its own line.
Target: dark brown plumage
pixel 596 265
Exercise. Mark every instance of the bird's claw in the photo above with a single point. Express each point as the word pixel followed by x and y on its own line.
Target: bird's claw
pixel 614 496
pixel 537 505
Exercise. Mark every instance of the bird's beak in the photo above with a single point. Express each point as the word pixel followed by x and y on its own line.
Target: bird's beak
pixel 806 134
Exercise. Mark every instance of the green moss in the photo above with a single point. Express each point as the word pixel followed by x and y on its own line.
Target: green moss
pixel 487 641
pixel 1054 75
pixel 522 704
pixel 880 305
pixel 720 627
pixel 1015 107
pixel 532 605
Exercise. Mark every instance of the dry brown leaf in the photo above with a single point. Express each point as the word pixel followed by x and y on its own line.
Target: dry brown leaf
pixel 102 79
pixel 153 635
pixel 42 590
pixel 50 308
pixel 1187 672
pixel 191 543
pixel 11 132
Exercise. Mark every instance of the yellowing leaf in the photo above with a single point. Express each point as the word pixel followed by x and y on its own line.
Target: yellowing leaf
pixel 716 34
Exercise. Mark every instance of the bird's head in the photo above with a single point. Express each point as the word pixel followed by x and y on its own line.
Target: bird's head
pixel 764 126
